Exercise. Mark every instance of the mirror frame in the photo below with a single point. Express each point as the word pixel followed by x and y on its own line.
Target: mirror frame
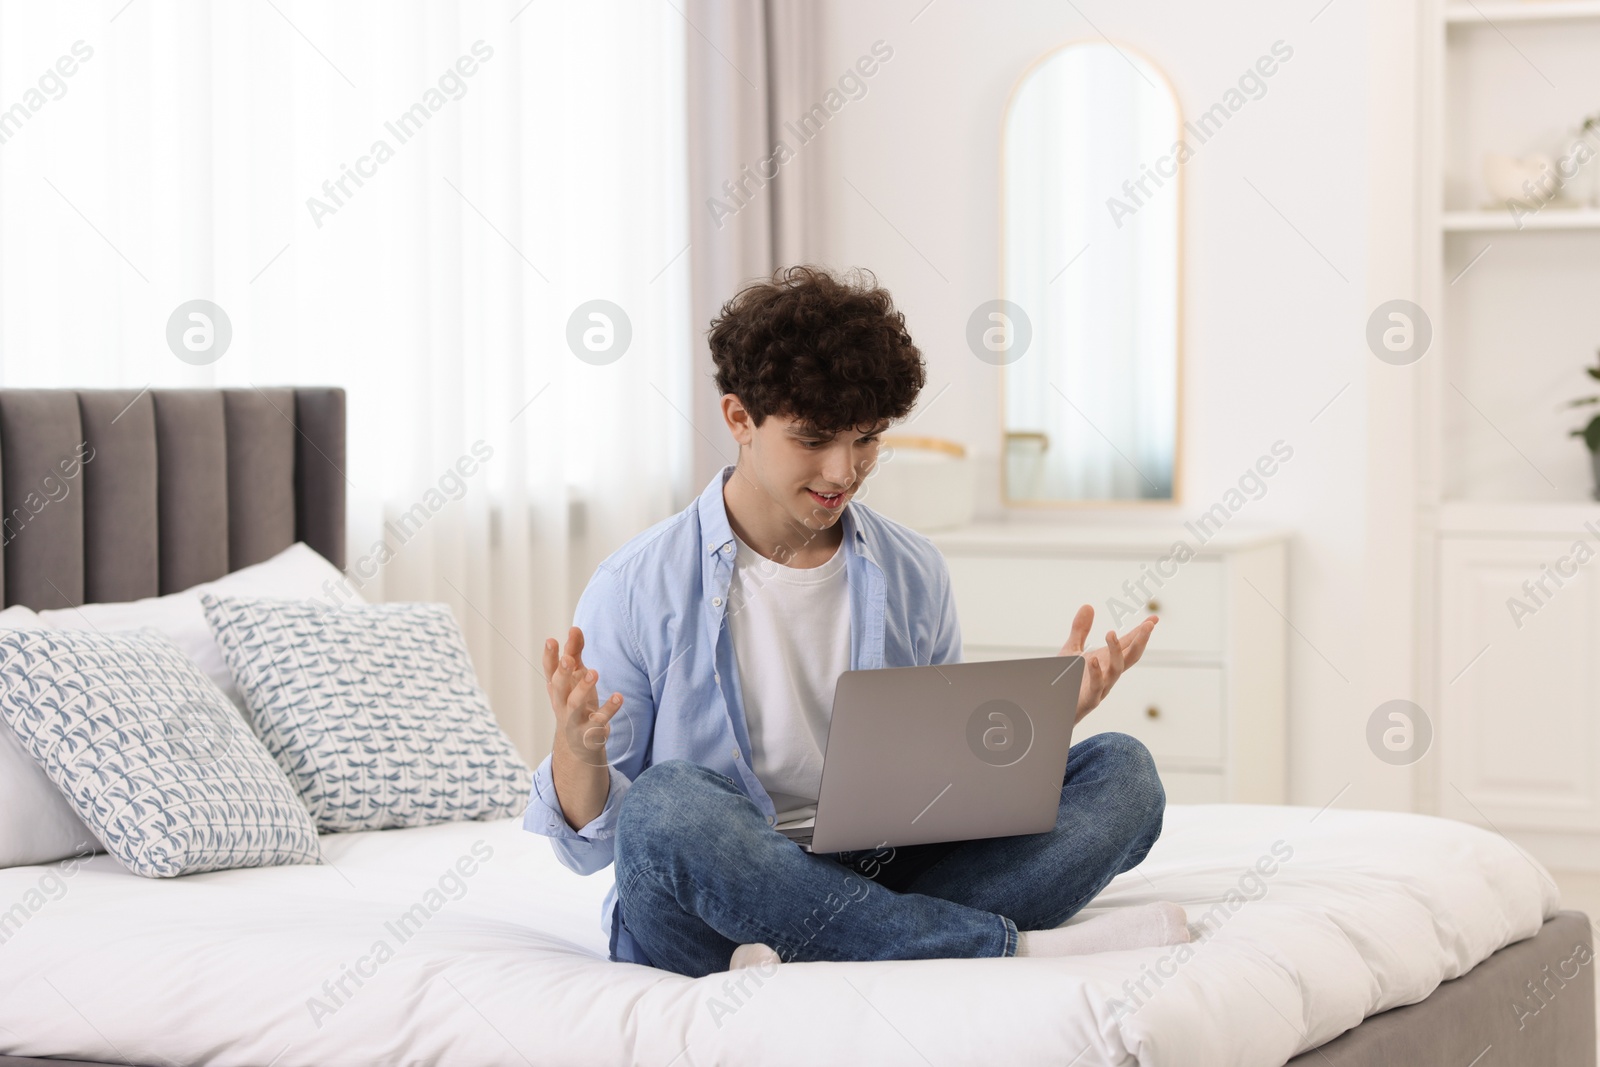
pixel 1179 190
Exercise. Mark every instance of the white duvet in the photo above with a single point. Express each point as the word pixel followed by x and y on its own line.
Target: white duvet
pixel 470 944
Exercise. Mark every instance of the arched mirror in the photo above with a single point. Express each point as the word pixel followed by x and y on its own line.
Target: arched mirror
pixel 1089 324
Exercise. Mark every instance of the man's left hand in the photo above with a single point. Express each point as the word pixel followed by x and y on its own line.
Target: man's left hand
pixel 1103 666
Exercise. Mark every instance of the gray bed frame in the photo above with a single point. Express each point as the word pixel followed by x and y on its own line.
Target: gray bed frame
pixel 173 487
pixel 118 494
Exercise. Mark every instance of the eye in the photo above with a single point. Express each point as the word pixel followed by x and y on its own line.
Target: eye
pixel 810 444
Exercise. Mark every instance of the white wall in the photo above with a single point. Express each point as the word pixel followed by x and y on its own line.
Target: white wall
pixel 1274 319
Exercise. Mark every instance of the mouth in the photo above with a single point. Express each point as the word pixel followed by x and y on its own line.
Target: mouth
pixel 829 502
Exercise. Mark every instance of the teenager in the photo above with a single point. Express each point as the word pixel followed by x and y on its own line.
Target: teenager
pixel 721 632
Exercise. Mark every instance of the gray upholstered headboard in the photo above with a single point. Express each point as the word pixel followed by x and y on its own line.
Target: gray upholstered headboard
pixel 118 494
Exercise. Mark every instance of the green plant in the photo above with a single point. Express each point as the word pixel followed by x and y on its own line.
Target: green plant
pixel 1591 432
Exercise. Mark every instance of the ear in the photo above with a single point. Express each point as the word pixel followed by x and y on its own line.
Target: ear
pixel 737 419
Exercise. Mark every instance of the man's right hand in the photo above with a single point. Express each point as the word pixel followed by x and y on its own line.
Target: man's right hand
pixel 578 759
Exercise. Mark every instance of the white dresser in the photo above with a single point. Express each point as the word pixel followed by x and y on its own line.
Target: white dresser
pixel 1208 697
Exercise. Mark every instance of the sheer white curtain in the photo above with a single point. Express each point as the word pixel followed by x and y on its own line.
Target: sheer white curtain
pixel 752 64
pixel 511 162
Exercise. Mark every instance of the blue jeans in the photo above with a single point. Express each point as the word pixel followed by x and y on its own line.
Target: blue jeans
pixel 699 871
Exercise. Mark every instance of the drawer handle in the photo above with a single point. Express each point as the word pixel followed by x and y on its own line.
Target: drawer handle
pixel 1153 606
pixel 1152 712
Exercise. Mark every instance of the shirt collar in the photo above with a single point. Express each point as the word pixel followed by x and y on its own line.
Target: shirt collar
pixel 717 533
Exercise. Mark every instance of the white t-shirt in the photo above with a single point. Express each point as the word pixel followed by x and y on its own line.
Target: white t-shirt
pixel 791 639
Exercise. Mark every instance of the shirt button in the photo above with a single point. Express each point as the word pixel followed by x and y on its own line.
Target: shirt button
pixel 716 602
pixel 735 753
pixel 716 677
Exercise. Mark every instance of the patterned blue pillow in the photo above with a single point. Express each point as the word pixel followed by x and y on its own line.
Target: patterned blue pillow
pixel 150 753
pixel 373 709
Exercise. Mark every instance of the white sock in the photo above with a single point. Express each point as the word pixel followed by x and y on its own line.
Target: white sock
pixel 1144 926
pixel 754 954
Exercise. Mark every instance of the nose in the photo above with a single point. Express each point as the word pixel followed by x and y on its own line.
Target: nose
pixel 839 472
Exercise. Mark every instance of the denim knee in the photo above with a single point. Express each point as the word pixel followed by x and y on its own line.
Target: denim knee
pixel 1125 761
pixel 661 791
pixel 667 801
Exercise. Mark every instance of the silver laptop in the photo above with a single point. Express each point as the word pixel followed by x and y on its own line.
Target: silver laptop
pixel 952 752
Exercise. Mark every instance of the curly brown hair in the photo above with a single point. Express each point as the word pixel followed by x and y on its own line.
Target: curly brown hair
pixel 831 352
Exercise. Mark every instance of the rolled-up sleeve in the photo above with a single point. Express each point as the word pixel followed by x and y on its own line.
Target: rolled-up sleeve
pixel 588 848
pixel 611 649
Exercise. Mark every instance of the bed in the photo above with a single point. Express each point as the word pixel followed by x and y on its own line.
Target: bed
pixel 1338 937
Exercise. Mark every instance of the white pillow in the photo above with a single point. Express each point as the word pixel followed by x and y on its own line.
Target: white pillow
pixel 299 572
pixel 374 710
pixel 150 753
pixel 37 825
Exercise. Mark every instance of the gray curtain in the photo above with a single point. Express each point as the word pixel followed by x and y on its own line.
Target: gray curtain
pixel 752 71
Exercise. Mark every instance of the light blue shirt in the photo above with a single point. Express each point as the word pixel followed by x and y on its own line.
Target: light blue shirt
pixel 654 622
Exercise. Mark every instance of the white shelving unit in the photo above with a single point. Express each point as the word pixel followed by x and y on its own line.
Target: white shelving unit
pixel 1514 693
pixel 1551 218
pixel 1524 11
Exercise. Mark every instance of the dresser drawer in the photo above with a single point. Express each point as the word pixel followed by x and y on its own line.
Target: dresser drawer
pixel 1187 701
pixel 1028 602
pixel 1187 728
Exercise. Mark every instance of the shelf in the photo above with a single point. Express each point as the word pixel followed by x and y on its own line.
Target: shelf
pixel 1548 219
pixel 1483 14
pixel 1495 518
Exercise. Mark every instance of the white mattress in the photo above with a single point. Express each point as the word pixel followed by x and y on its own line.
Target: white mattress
pixel 1372 910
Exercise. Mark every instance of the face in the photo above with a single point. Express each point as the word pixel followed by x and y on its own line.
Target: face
pixel 810 474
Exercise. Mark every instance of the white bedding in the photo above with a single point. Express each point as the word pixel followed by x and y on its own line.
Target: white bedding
pixel 1371 910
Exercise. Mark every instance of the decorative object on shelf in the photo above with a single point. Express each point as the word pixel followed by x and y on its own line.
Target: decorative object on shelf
pixel 1580 159
pixel 1024 461
pixel 927 483
pixel 1591 432
pixel 1529 182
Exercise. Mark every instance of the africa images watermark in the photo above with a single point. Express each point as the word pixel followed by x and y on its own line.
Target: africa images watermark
pixel 451 485
pixel 735 987
pixel 403 128
pixel 851 85
pixel 52 490
pixel 51 84
pixel 1252 85
pixel 49 886
pixel 1540 996
pixel 1399 732
pixel 1252 485
pixel 1250 886
pixel 764 569
pixel 1565 567
pixel 451 885
pixel 1545 189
